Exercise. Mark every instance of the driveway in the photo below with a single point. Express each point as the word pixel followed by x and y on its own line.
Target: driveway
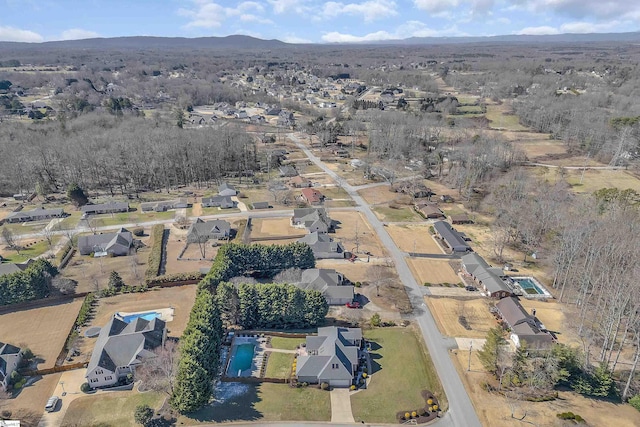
pixel 70 383
pixel 461 411
pixel 341 406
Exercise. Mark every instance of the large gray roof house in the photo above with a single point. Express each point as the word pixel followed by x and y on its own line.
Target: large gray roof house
pixel 488 277
pixel 323 246
pixel 524 327
pixel 202 231
pixel 451 237
pixel 117 244
pixel 329 282
pixel 10 357
pixel 332 357
pixel 313 219
pixel 38 214
pixel 122 346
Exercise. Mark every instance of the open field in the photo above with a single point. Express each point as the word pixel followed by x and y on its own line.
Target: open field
pixel 413 238
pixel 434 271
pixel 175 244
pixel 93 273
pixel 494 409
pixel 500 118
pixel 109 409
pixel 353 176
pixel 265 402
pixel 556 317
pixel 348 223
pixel 181 298
pixel 378 194
pixel 274 227
pixel 446 312
pixel 43 329
pixel 31 249
pixel 334 193
pixel 403 214
pixel 130 217
pixel 401 369
pixel 593 179
pixel 27 406
pixel 279 365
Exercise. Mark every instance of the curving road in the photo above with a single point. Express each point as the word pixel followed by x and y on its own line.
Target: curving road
pixel 461 411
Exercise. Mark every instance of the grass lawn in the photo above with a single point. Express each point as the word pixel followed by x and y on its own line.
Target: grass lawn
pixel 473 109
pixel 503 121
pixel 132 217
pixel 405 214
pixel 334 193
pixel 286 343
pixel 108 409
pixel 32 251
pixel 279 365
pixel 266 402
pixel 401 370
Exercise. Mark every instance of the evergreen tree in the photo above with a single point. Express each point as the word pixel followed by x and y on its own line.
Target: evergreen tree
pixel 76 194
pixel 115 281
pixel 490 353
pixel 192 388
pixel 143 415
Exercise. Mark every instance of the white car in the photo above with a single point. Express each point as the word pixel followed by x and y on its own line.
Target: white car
pixel 51 404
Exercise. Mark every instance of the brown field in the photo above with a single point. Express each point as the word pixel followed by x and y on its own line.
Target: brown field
pixel 432 271
pixel 353 176
pixel 593 179
pixel 447 310
pixel 181 298
pixel 346 233
pixel 555 317
pixel 175 244
pixel 92 273
pixel 414 238
pixel 274 227
pixel 43 329
pixel 28 405
pixel 378 195
pixel 495 410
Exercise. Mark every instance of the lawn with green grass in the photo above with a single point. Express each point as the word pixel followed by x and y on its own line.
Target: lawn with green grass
pixel 109 409
pixel 334 193
pixel 470 109
pixel 503 121
pixel 404 214
pixel 131 218
pixel 279 365
pixel 401 369
pixel 266 402
pixel 286 343
pixel 32 251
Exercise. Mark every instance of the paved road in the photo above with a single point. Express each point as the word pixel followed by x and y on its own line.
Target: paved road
pixel 461 412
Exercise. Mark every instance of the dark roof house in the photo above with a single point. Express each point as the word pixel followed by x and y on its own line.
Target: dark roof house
pixel 226 189
pixel 323 246
pixel 10 358
pixel 222 202
pixel 39 214
pixel 202 231
pixel 524 326
pixel 488 277
pixel 101 208
pixel 165 205
pixel 118 243
pixel 313 219
pixel 329 282
pixel 451 237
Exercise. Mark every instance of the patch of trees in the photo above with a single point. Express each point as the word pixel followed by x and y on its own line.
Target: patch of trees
pixel 274 306
pixel 155 256
pixel 32 283
pixel 442 104
pixel 365 105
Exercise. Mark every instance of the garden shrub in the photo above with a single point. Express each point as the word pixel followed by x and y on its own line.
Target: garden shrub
pixel 85 388
pixel 138 231
pixel 324 386
pixel 635 401
pixel 155 256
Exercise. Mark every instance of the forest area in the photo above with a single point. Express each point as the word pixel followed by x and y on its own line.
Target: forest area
pixel 117 128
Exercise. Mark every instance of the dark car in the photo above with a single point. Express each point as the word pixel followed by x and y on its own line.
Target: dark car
pixel 471 288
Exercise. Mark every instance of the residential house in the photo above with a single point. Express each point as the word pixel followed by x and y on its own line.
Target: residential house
pixel 10 268
pixel 300 182
pixel 460 219
pixel 242 114
pixel 258 119
pixel 341 152
pixel 122 346
pixel 10 358
pixel 261 205
pixel 288 171
pixel 202 231
pixel 39 214
pixel 323 246
pixel 429 210
pixel 415 190
pixel 313 219
pixel 116 244
pixel 524 327
pixel 165 205
pixel 226 189
pixel 331 357
pixel 329 282
pixel 222 202
pixel 312 196
pixel 451 237
pixel 489 278
pixel 104 208
pixel 286 119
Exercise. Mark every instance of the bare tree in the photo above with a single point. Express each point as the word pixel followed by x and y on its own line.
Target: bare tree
pixel 134 262
pixel 158 372
pixel 291 275
pixel 379 276
pixel 9 239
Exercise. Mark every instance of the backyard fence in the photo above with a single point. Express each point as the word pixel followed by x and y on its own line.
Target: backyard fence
pixel 267 238
pixel 253 380
pixel 274 334
pixel 56 369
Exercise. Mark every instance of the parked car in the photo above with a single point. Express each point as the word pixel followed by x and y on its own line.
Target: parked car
pixel 353 304
pixel 471 288
pixel 51 404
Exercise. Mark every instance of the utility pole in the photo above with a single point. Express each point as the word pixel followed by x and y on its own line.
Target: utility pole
pixel 470 348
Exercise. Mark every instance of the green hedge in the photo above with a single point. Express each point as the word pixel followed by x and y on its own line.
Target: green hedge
pixel 155 257
pixel 27 285
pixel 64 251
pixel 177 277
pixel 85 309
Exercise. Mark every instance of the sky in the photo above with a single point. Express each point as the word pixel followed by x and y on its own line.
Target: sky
pixel 311 21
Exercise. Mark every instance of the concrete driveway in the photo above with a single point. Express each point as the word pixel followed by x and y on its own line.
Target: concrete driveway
pixel 341 406
pixel 69 383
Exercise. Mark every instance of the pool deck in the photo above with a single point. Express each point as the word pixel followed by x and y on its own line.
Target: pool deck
pixel 258 356
pixel 537 286
pixel 165 314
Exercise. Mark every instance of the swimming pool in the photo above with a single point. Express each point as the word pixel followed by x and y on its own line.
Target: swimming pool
pixel 528 285
pixel 146 316
pixel 241 360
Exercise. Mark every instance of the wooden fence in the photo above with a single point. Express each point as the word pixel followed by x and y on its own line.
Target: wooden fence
pixel 56 369
pixel 253 380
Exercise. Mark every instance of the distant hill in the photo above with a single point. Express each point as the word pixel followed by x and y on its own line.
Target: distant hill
pixel 147 42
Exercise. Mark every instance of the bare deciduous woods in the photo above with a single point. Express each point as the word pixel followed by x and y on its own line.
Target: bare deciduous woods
pixel 118 154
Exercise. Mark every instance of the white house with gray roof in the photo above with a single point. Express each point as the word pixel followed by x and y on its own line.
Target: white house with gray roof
pixel 331 357
pixel 323 246
pixel 10 358
pixel 329 282
pixel 103 208
pixel 313 219
pixel 122 346
pixel 202 231
pixel 116 244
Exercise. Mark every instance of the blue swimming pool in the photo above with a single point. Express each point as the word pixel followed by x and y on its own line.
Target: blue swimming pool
pixel 146 316
pixel 241 360
pixel 528 285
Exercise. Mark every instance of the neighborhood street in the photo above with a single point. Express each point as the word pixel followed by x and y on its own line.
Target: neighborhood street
pixel 461 411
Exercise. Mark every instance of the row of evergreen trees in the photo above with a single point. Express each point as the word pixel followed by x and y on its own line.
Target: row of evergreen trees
pixel 32 283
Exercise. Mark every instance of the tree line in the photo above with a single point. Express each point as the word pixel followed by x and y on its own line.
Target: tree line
pixel 29 284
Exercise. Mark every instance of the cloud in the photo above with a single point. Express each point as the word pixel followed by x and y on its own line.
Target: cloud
pixel 406 30
pixel 292 38
pixel 370 10
pixel 209 14
pixel 436 6
pixel 11 34
pixel 580 9
pixel 538 31
pixel 289 6
pixel 77 34
pixel 578 27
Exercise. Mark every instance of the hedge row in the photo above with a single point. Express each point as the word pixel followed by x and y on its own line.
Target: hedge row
pixel 176 277
pixel 64 251
pixel 27 285
pixel 85 309
pixel 155 257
